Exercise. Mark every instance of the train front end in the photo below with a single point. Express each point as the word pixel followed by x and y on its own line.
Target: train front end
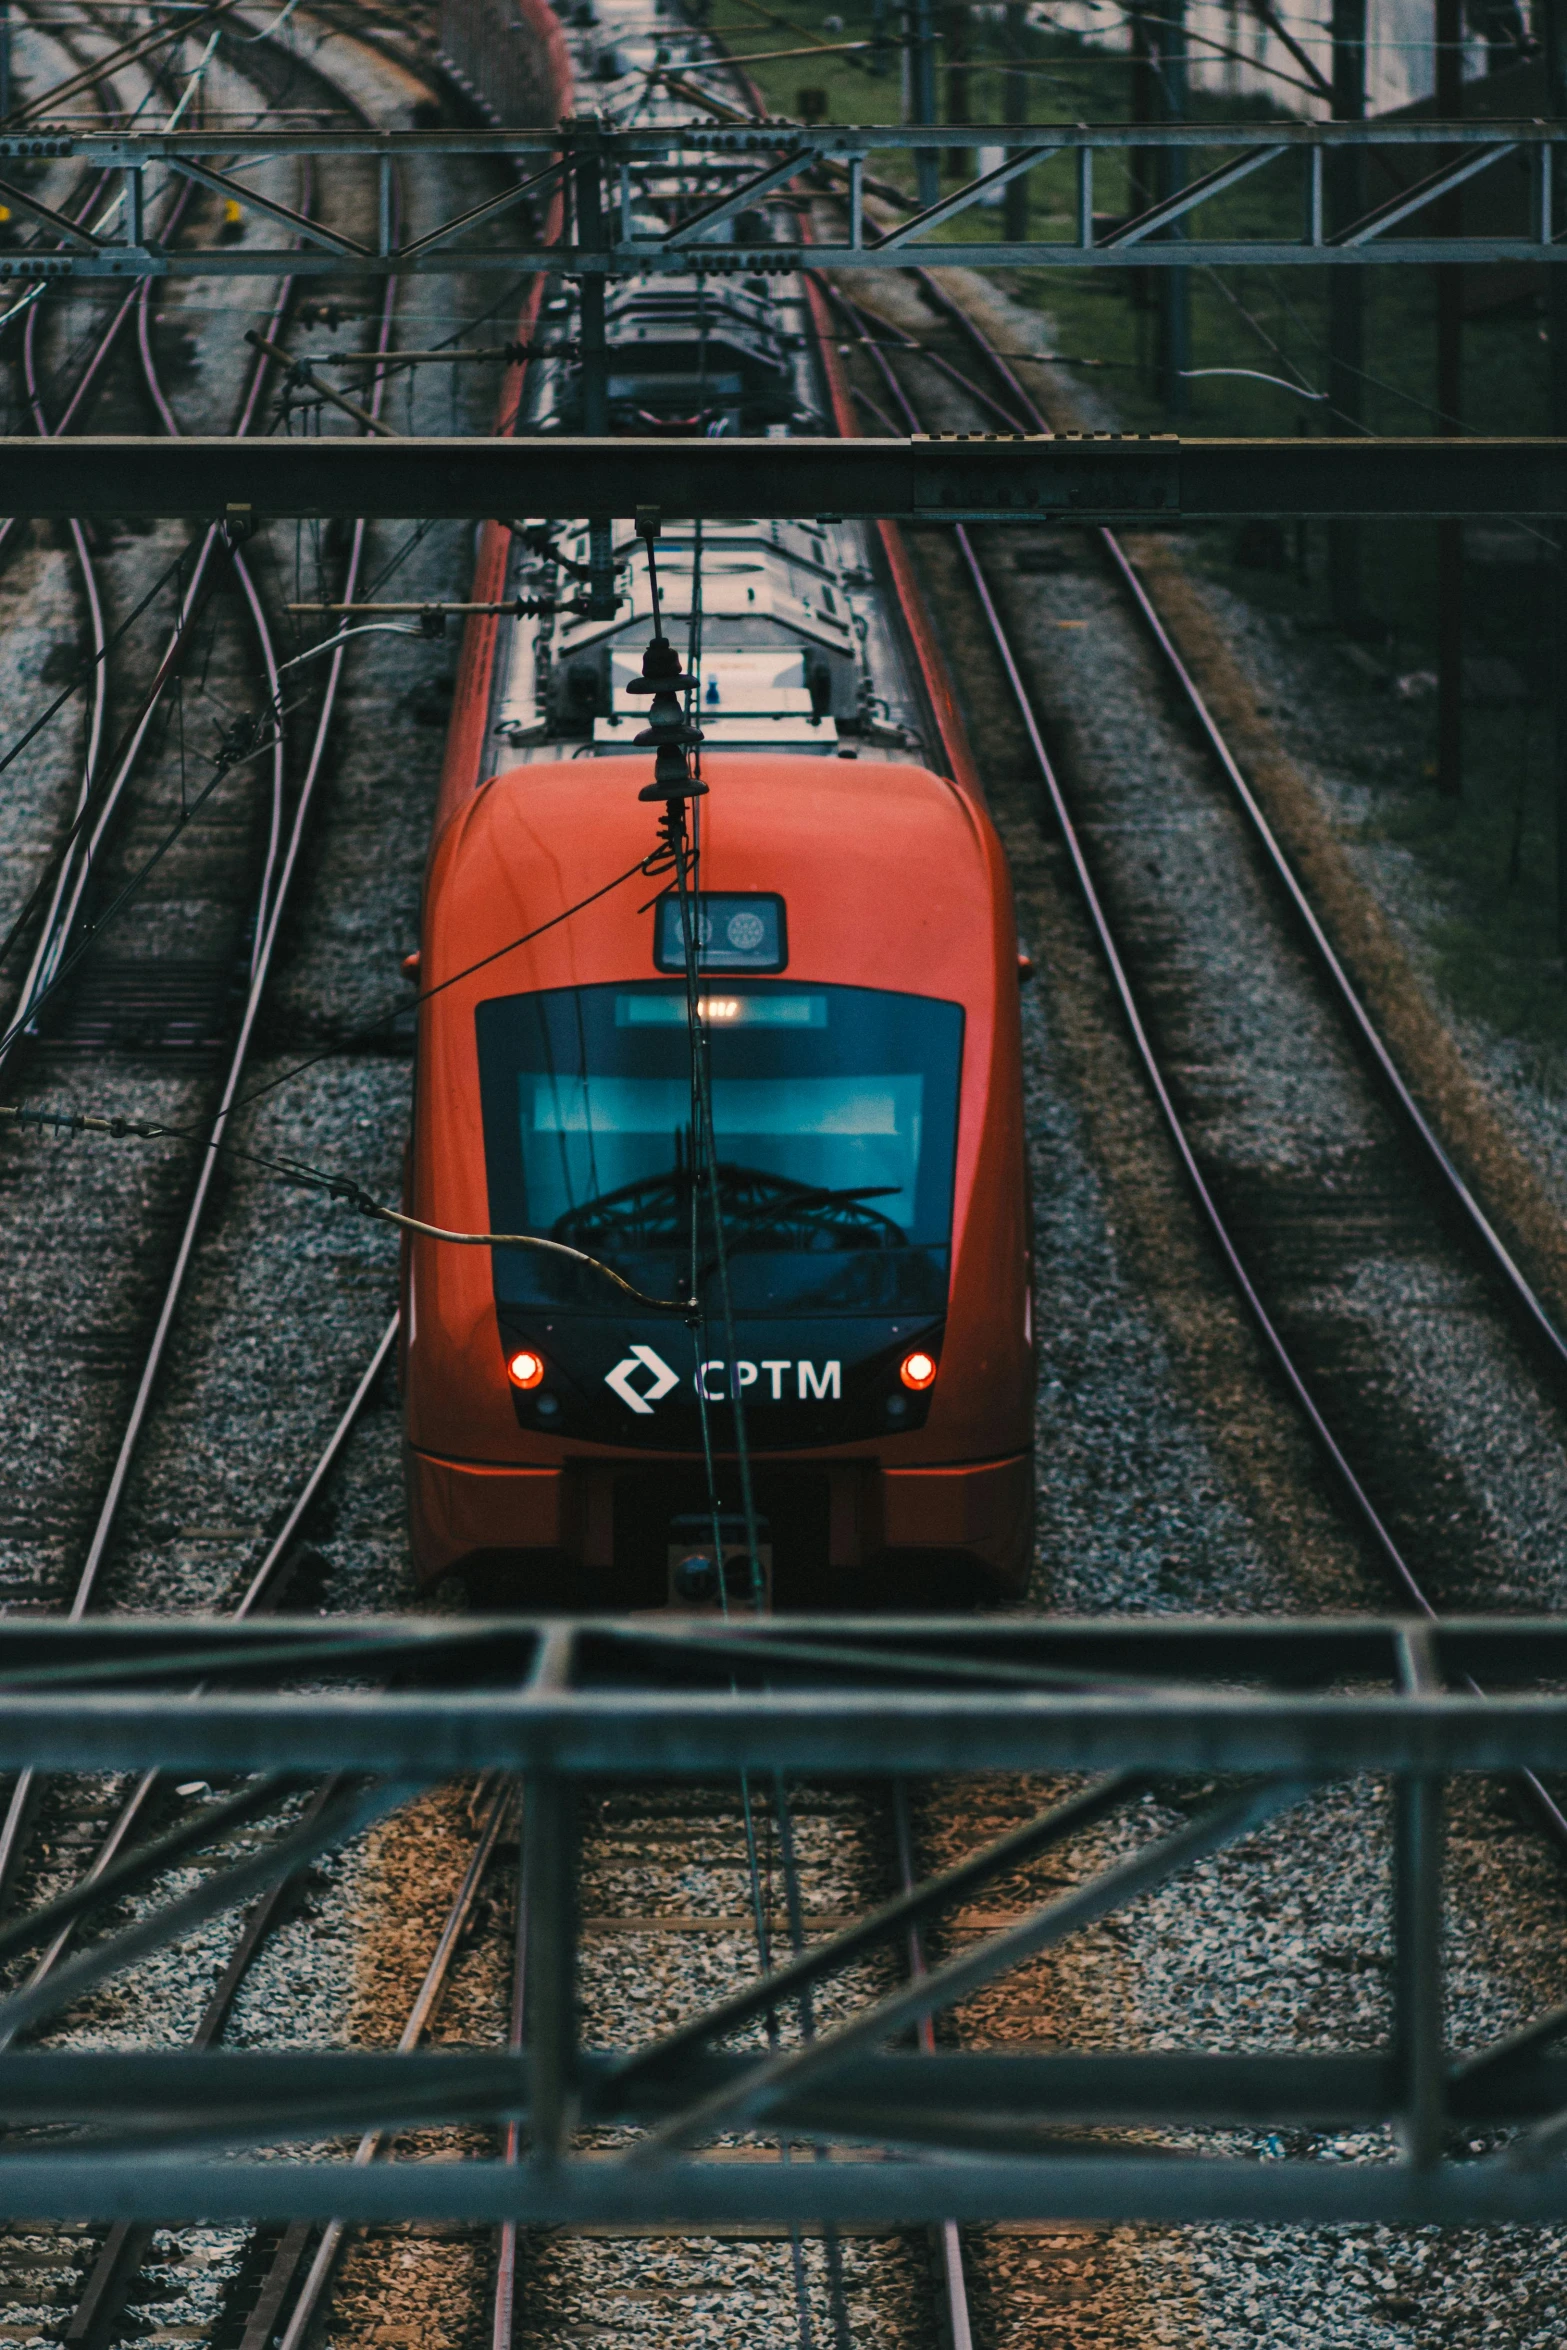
pixel 855 1239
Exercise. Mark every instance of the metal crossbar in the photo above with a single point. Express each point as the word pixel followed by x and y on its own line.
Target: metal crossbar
pixel 1117 479
pixel 693 167
pixel 1164 1705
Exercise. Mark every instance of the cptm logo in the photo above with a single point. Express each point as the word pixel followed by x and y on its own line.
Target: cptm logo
pixel 718 1382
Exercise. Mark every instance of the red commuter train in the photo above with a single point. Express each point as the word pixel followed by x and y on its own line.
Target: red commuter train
pixel 859 995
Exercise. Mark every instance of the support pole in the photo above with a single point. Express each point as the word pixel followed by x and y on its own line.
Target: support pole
pixel 550 1993
pixel 1449 400
pixel 1417 1982
pixel 5 59
pixel 1014 109
pixel 1556 302
pixel 1142 163
pixel 960 109
pixel 1346 300
pixel 593 371
pixel 1174 284
pixel 919 69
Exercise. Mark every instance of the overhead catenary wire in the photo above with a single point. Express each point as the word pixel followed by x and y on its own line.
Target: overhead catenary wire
pixel 99 655
pixel 703 1159
pixel 339 1186
pixel 269 919
pixel 1551 1814
pixel 646 866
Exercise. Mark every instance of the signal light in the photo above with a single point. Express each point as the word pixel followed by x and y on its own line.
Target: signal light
pixel 918 1369
pixel 525 1368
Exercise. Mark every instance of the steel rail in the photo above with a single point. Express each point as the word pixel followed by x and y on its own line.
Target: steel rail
pixel 1369 1035
pixel 123 2251
pixel 1551 1816
pixel 125 2247
pixel 503 2301
pixel 421 2015
pixel 70 880
pixel 261 970
pixel 1305 1401
pixel 103 68
pixel 248 589
pixel 45 950
pixel 948 2243
pixel 24 1790
pixel 261 1593
pixel 63 902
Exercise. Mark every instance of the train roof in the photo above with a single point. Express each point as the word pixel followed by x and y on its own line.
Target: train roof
pixel 891 875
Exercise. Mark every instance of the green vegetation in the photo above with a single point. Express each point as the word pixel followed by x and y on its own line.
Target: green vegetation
pixel 1494 856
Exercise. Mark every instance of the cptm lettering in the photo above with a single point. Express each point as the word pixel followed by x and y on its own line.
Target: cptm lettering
pixel 810 1384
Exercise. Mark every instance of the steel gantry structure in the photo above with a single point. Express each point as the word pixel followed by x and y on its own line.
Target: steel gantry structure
pixel 706 178
pixel 949 477
pixel 1190 1737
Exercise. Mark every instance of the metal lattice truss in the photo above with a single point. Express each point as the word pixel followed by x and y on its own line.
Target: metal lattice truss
pixel 1220 1727
pixel 677 198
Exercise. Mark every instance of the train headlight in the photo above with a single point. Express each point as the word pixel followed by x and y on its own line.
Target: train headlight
pixel 525 1368
pixel 917 1370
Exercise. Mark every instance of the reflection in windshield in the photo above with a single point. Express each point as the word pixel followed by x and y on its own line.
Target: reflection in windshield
pixel 758 1210
pixel 587 1139
pixel 834 1115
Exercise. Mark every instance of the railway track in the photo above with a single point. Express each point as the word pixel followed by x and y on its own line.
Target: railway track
pixel 770 1863
pixel 254 2290
pixel 205 1425
pixel 677 1909
pixel 1383 1458
pixel 1199 1076
pixel 319 710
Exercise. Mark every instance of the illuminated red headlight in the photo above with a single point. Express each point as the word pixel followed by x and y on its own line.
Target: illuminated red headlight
pixel 525 1368
pixel 918 1369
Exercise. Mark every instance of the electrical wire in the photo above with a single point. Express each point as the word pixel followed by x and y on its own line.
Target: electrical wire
pixel 648 866
pixel 310 1177
pixel 53 711
pixel 1253 375
pixel 704 1141
pixel 339 1187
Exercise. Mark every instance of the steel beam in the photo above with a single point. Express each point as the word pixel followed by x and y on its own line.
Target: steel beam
pixel 951 478
pixel 704 173
pixel 256 2096
pixel 673 143
pixel 435 255
pixel 892 2193
pixel 144 2136
pixel 801 1695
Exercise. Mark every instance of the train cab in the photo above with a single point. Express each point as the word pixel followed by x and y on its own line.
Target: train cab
pixel 841 1287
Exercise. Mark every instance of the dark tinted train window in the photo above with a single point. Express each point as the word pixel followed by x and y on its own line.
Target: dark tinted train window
pixel 835 1118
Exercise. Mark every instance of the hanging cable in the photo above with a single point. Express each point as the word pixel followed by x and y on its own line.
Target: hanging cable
pixel 333 1186
pixel 37 894
pixel 671 735
pixel 649 867
pixel 675 789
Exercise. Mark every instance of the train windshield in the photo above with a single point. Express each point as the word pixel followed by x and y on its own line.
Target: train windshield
pixel 834 1116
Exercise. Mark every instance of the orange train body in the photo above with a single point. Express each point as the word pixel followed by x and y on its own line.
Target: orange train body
pixel 862 1030
pixel 893 881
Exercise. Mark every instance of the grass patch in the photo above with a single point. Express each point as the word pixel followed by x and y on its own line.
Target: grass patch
pixel 1493 858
